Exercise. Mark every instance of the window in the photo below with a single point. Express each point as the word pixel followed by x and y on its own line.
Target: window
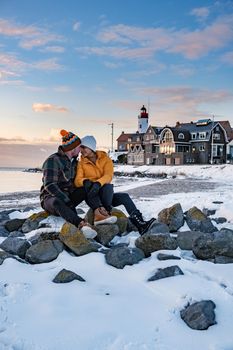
pixel 201 148
pixel 138 138
pixel 202 135
pixel 193 135
pixel 168 137
pixel 180 135
pixel 216 136
pixel 129 139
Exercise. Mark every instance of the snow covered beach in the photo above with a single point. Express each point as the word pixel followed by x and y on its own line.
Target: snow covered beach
pixel 118 309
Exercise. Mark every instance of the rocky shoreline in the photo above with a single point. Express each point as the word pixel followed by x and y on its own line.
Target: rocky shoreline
pixel 34 241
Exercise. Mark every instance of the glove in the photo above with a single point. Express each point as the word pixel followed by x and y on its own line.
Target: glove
pixel 94 190
pixel 87 185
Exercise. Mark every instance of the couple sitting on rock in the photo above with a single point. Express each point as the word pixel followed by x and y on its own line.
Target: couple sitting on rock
pixel 66 183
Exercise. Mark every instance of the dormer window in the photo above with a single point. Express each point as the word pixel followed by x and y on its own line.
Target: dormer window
pixel 181 136
pixel 193 135
pixel 202 135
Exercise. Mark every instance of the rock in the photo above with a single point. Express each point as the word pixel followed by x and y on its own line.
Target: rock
pixel 162 256
pixel 122 220
pixel 220 220
pixel 44 236
pixel 4 215
pixel 151 243
pixel 198 221
pixel 121 256
pixel 217 202
pixel 17 234
pixel 32 223
pixel 3 256
pixel 170 271
pixel 208 212
pixel 185 239
pixel 44 251
pixel 76 241
pixel 14 225
pixel 3 232
pixel 211 245
pixel 15 245
pixel 105 233
pixel 221 259
pixel 199 315
pixel 173 217
pixel 66 276
pixel 158 227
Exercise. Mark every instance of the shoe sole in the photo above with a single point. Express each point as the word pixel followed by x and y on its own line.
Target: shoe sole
pixel 110 220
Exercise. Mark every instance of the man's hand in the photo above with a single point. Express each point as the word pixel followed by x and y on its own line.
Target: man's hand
pixel 94 190
pixel 87 185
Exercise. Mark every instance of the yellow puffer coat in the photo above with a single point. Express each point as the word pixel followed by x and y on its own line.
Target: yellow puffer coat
pixel 101 171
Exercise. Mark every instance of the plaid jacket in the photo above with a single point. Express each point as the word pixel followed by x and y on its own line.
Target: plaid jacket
pixel 58 176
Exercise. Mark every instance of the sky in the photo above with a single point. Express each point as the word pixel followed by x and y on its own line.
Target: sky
pixel 82 65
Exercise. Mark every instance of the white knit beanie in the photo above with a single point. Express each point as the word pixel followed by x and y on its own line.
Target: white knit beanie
pixel 89 141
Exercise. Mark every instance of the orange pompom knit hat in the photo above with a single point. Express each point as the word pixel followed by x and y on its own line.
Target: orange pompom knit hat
pixel 69 140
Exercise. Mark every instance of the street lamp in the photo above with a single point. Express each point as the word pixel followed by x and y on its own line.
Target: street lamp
pixel 112 126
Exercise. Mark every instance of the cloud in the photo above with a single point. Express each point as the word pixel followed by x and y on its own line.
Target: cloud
pixel 112 65
pixel 47 107
pixel 11 62
pixel 29 36
pixel 200 12
pixel 8 28
pixel 54 49
pixel 76 26
pixel 13 139
pixel 62 88
pixel 48 65
pixel 228 58
pixel 130 42
pixel 183 103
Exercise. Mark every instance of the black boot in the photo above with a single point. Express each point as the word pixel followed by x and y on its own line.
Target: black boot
pixel 138 221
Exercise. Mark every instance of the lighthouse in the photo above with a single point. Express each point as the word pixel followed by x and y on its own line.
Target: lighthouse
pixel 143 120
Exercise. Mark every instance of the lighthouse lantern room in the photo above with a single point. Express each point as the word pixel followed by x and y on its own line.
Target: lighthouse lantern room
pixel 143 121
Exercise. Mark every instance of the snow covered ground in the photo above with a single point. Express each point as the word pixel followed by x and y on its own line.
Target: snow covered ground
pixel 118 309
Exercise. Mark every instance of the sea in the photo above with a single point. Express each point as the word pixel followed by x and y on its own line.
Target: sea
pixel 16 180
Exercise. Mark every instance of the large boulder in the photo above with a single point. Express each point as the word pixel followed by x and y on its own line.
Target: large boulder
pixel 105 233
pixel 199 315
pixel 14 224
pixel 185 239
pixel 43 236
pixel 173 217
pixel 44 251
pixel 151 243
pixel 32 223
pixel 119 256
pixel 198 221
pixel 74 239
pixel 16 246
pixel 158 227
pixel 211 245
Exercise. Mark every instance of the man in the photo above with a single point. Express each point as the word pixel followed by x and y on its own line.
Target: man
pixel 58 195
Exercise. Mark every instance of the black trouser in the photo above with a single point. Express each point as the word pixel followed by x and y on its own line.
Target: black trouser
pixel 58 207
pixel 108 199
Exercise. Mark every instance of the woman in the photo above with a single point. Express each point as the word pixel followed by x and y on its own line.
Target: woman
pixel 95 173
